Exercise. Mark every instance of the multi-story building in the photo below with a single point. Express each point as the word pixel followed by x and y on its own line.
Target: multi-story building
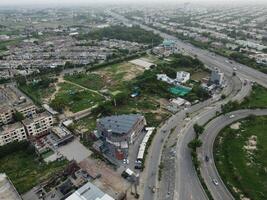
pixel 39 124
pixel 118 132
pixel 217 77
pixel 12 132
pixel 6 114
pixel 27 109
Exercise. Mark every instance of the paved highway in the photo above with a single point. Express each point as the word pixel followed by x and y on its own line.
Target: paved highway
pixel 208 169
pixel 187 184
pixel 208 58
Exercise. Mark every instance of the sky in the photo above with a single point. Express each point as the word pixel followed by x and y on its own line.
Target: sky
pixel 64 2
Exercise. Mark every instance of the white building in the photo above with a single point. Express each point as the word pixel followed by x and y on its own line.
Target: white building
pixel 12 132
pixel 165 78
pixel 182 76
pixel 89 192
pixel 39 124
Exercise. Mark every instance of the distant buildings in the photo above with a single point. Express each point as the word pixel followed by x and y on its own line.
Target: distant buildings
pixel 7 189
pixel 89 192
pixel 118 132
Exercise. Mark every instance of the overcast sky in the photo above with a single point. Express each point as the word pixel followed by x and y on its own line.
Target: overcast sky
pixel 64 2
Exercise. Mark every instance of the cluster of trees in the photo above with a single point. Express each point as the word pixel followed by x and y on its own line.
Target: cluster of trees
pixel 230 106
pixel 106 108
pixel 132 34
pixel 15 147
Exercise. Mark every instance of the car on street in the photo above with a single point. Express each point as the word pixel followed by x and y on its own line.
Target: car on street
pixel 231 116
pixel 207 158
pixel 215 182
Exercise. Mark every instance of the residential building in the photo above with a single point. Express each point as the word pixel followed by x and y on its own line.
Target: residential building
pixel 6 114
pixel 182 77
pixel 12 132
pixel 7 189
pixel 89 192
pixel 27 109
pixel 118 132
pixel 39 124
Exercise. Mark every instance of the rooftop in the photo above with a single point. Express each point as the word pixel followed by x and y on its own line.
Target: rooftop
pixel 13 126
pixel 89 192
pixel 120 123
pixel 35 117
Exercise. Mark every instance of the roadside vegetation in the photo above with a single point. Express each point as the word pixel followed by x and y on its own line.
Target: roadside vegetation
pixel 241 159
pixel 23 166
pixel 257 99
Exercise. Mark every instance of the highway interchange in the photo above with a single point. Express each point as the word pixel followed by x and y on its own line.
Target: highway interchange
pixel 208 169
pixel 187 184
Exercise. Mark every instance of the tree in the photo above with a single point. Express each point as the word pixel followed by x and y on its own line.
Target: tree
pixel 194 144
pixel 198 129
pixel 230 106
pixel 18 116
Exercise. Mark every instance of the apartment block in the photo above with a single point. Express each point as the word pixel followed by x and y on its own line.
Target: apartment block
pixel 12 132
pixel 27 109
pixel 39 124
pixel 6 114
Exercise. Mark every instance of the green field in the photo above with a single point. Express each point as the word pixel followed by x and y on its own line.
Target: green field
pixel 75 98
pixel 91 81
pixel 243 170
pixel 257 98
pixel 25 171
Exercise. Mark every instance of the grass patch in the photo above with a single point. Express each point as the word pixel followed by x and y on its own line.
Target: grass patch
pixel 257 98
pixel 91 81
pixel 25 171
pixel 75 98
pixel 239 169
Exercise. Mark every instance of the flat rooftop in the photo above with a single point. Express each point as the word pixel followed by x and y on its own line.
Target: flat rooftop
pixel 89 192
pixel 120 124
pixel 9 127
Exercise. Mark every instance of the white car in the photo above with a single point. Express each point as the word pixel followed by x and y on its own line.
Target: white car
pixel 215 182
pixel 231 116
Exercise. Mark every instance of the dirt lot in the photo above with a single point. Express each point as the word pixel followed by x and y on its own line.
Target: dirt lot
pixel 114 75
pixel 110 181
